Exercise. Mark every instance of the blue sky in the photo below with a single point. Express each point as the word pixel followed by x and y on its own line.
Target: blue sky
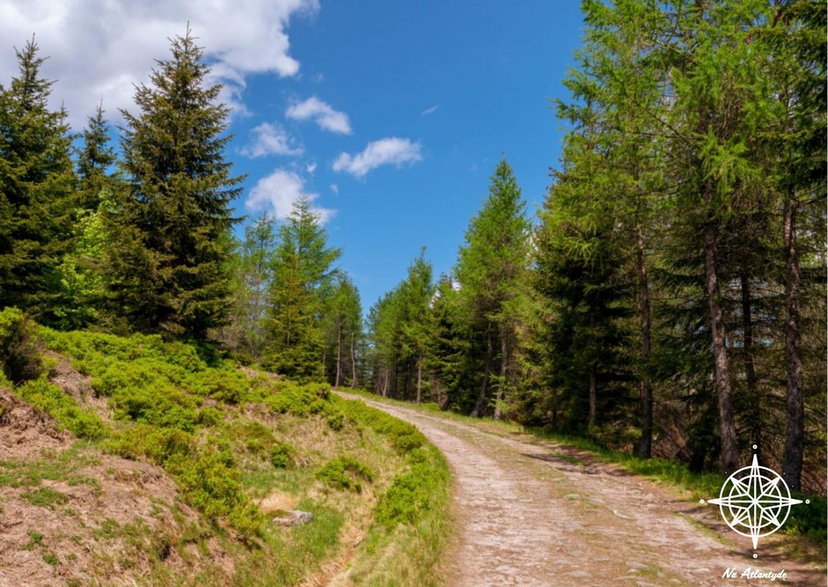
pixel 392 115
pixel 466 84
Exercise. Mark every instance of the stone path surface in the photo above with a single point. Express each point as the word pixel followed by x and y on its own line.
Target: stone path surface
pixel 530 512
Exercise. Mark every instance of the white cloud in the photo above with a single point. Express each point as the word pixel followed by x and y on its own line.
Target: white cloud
pixel 390 151
pixel 428 111
pixel 276 194
pixel 311 167
pixel 322 114
pixel 98 49
pixel 270 139
pixel 335 188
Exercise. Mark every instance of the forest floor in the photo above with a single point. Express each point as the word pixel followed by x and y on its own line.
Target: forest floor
pixel 535 512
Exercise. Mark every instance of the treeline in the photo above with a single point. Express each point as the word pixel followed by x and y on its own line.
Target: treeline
pixel 671 297
pixel 139 237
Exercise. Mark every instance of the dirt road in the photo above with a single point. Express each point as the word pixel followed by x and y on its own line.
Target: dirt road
pixel 531 512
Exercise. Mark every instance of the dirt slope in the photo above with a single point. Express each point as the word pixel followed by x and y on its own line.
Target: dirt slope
pixel 536 513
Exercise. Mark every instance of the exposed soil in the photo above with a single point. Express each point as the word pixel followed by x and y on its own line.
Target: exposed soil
pixel 71 515
pixel 531 512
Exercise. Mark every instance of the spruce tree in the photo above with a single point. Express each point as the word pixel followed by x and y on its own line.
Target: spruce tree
pixel 36 185
pixel 170 228
pixel 303 278
pixel 95 158
pixel 491 270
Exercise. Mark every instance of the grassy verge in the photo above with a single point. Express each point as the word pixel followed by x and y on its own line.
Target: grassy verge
pixel 243 448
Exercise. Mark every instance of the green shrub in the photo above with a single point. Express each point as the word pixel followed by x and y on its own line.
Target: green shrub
pixel 157 444
pixel 344 472
pixel 209 482
pixel 297 400
pixel 411 493
pixel 336 421
pixel 168 408
pixel 281 455
pixel 209 416
pixel 403 436
pixel 20 349
pixel 50 399
pixel 221 384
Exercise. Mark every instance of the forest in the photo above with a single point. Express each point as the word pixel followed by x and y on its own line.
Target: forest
pixel 669 298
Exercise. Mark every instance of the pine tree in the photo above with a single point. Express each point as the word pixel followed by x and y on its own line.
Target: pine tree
pixel 251 267
pixel 95 159
pixel 36 184
pixel 303 277
pixel 491 271
pixel 343 332
pixel 168 262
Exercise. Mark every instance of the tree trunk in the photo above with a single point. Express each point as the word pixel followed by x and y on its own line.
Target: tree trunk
pixel 593 397
pixel 419 379
pixel 750 365
pixel 338 356
pixel 794 437
pixel 353 363
pixel 385 383
pixel 645 445
pixel 480 405
pixel 721 371
pixel 504 362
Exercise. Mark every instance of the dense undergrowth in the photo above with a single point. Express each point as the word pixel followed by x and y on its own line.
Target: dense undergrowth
pixel 232 439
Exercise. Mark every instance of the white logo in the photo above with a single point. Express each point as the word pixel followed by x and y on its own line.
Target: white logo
pixel 755 501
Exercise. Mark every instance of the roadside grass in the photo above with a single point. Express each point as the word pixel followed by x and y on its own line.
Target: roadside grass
pixel 806 520
pixel 235 443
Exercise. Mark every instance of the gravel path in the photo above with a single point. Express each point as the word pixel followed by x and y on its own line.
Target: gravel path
pixel 531 512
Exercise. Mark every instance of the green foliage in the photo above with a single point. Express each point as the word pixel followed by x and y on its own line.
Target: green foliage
pixel 20 352
pixel 403 436
pixel 300 400
pixel 412 493
pixel 159 445
pixel 63 408
pixel 345 473
pixel 399 333
pixel 302 277
pixel 36 181
pixel 281 455
pixel 167 264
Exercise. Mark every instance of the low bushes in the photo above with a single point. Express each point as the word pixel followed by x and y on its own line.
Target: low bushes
pixel 48 398
pixel 19 347
pixel 345 472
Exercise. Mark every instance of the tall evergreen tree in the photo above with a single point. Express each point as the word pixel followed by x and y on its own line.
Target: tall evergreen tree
pixel 303 278
pixel 491 271
pixel 36 184
pixel 95 159
pixel 168 262
pixel 343 332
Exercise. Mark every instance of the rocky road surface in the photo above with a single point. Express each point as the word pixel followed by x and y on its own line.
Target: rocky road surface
pixel 531 512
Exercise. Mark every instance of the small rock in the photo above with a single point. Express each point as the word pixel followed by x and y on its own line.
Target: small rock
pixel 293 518
pixel 618 514
pixel 572 496
pixel 637 566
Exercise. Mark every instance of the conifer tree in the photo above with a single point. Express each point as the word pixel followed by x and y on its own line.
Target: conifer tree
pixel 95 159
pixel 303 275
pixel 168 261
pixel 343 332
pixel 36 184
pixel 491 271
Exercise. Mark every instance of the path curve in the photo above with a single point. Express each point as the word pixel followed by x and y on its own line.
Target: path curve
pixel 531 512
